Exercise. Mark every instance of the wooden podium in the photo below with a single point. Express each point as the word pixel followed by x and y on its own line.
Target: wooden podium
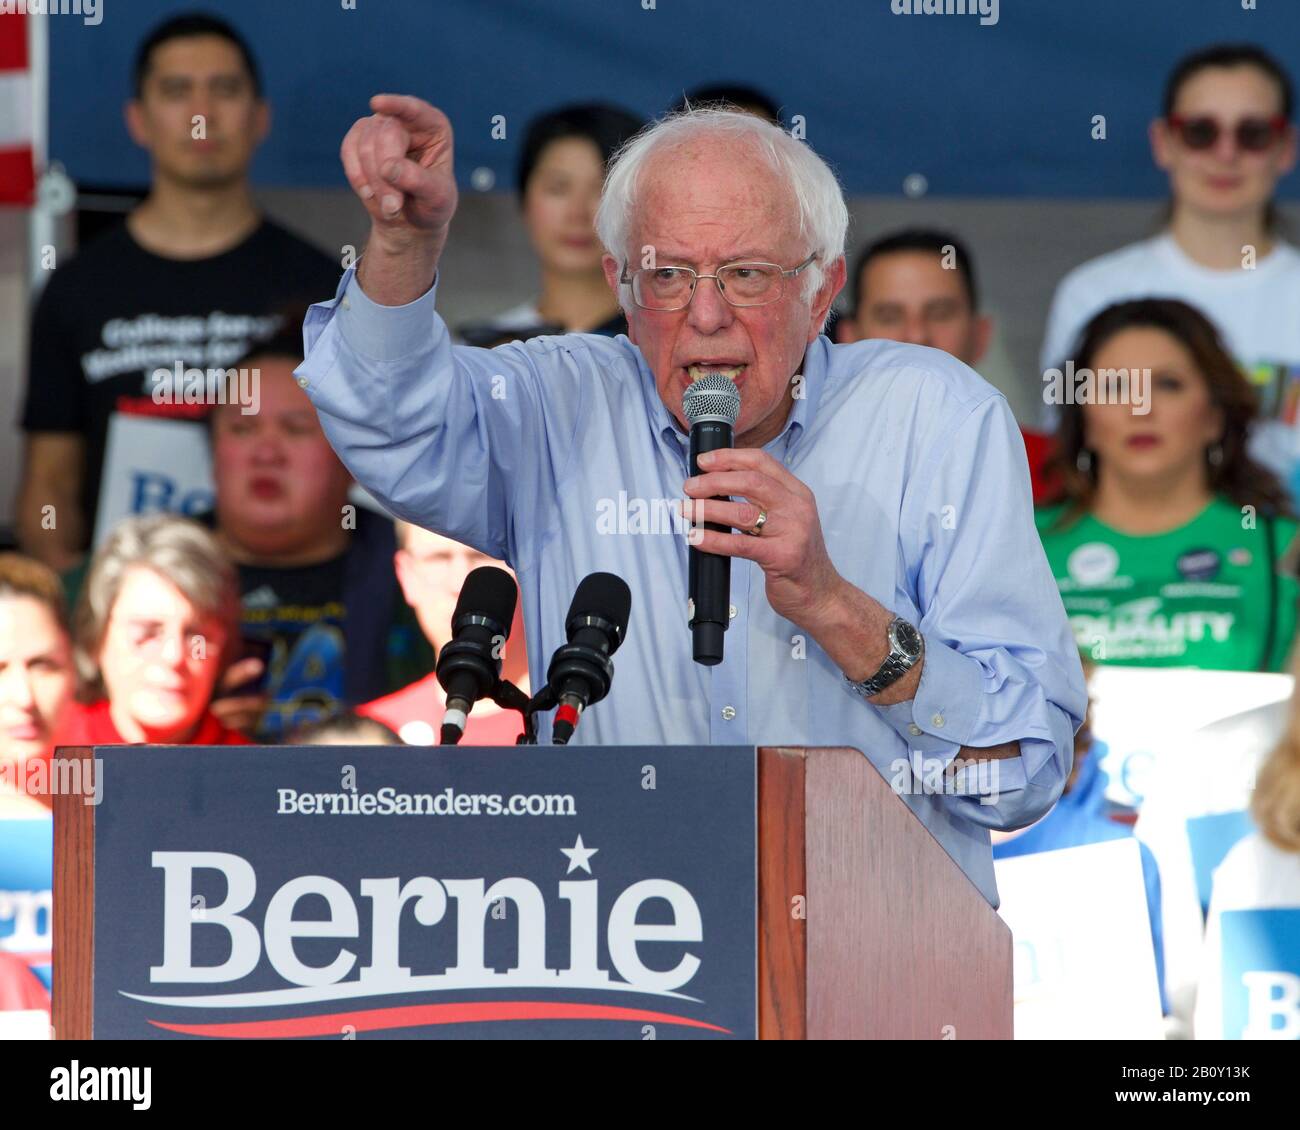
pixel 897 944
pixel 866 927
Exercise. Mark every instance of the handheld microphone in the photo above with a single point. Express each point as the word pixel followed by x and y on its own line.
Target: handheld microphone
pixel 469 667
pixel 581 670
pixel 711 406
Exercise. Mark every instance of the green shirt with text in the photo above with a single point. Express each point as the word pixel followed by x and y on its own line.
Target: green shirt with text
pixel 1197 596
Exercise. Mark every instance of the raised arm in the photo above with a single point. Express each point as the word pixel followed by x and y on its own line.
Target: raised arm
pixel 469 442
pixel 399 162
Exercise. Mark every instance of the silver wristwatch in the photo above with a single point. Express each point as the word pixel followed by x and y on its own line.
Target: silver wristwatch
pixel 905 648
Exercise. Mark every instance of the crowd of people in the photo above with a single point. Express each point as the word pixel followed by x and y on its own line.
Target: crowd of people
pixel 287 610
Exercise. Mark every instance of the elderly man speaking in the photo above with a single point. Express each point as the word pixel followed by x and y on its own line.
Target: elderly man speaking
pixel 888 590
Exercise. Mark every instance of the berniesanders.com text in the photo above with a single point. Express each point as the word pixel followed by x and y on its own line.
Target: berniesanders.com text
pixel 388 801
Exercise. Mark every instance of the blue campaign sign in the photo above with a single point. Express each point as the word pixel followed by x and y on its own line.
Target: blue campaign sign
pixel 521 892
pixel 1261 974
pixel 1211 837
pixel 26 873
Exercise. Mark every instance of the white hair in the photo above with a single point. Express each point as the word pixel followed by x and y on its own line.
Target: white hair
pixel 176 549
pixel 823 215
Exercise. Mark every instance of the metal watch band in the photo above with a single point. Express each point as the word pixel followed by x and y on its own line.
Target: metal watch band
pixel 890 671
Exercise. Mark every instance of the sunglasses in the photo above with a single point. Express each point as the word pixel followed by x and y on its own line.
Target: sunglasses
pixel 1254 135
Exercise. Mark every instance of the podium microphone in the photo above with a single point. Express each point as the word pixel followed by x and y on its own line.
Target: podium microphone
pixel 711 406
pixel 581 670
pixel 469 667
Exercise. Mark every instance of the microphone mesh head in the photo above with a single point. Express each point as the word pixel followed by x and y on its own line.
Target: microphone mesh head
pixel 713 397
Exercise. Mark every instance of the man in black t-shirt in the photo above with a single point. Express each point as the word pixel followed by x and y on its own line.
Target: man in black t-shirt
pixel 194 277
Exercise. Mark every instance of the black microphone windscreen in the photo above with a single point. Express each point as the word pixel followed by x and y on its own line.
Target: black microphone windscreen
pixel 488 591
pixel 605 595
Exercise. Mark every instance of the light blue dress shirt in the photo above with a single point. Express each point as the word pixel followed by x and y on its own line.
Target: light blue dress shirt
pixel 558 456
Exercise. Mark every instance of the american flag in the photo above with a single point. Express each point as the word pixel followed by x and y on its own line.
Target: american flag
pixel 17 178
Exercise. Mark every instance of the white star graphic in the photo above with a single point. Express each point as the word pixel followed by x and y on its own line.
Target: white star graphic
pixel 579 856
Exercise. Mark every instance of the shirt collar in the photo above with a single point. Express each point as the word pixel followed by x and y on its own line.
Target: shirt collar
pixel 661 420
pixel 798 422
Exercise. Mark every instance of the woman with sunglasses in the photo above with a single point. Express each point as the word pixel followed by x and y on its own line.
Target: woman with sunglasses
pixel 1225 138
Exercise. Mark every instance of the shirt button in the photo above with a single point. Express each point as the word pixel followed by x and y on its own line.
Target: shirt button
pixel 728 713
pixel 731 611
pixel 914 730
pixel 938 720
pixel 302 382
pixel 346 303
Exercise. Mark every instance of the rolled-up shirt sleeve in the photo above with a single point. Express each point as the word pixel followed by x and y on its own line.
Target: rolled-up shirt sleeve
pixel 469 442
pixel 1000 661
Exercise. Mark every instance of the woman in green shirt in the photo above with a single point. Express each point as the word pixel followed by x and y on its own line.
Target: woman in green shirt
pixel 1167 539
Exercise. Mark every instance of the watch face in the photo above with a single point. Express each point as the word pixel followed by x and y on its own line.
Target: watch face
pixel 906 638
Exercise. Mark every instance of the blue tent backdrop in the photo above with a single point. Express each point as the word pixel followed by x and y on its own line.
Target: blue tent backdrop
pixel 1004 109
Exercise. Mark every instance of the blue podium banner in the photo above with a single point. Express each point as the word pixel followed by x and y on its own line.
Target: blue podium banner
pixel 446 893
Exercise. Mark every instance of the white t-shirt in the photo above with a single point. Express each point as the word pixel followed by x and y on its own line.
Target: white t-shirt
pixel 1256 311
pixel 1254 875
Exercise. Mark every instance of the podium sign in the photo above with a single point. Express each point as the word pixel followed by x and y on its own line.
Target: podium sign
pixel 344 892
pixel 617 892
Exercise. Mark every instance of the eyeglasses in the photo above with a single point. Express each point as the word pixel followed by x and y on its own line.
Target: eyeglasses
pixel 741 284
pixel 1254 135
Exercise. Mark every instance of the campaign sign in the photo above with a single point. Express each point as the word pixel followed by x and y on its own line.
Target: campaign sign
pixel 1261 974
pixel 1085 967
pixel 1211 836
pixel 152 465
pixel 1150 716
pixel 454 893
pixel 1195 793
pixel 26 871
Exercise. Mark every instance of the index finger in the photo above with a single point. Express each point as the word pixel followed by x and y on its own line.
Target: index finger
pixel 414 112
